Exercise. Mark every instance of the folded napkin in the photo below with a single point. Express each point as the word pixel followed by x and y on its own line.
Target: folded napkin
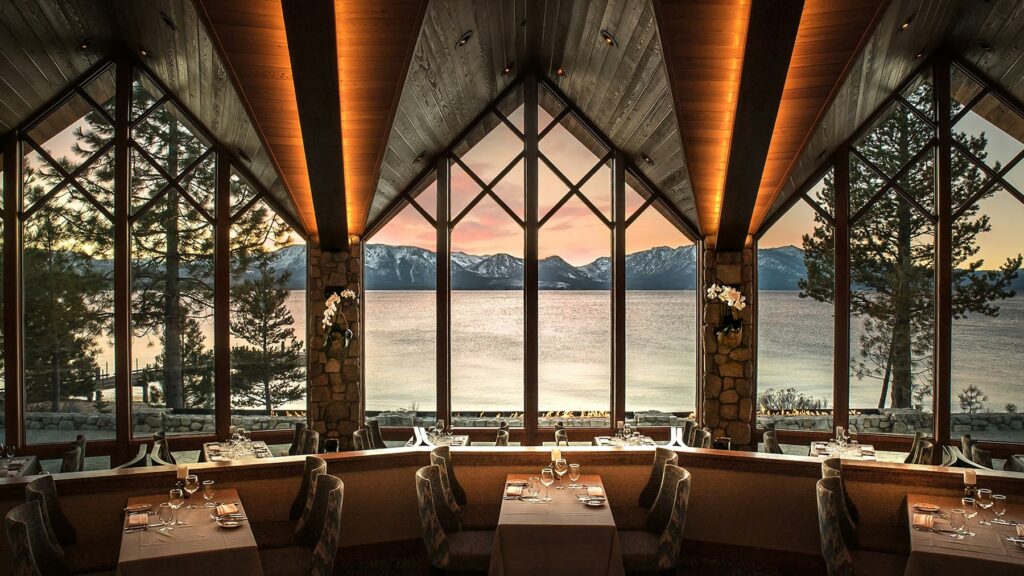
pixel 595 491
pixel 1020 530
pixel 214 458
pixel 138 519
pixel 514 491
pixel 924 521
pixel 225 509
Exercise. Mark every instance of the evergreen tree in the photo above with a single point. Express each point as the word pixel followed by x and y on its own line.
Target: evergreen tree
pixel 892 253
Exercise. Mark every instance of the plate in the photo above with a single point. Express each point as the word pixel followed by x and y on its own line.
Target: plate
pixel 230 523
pixel 595 503
pixel 926 507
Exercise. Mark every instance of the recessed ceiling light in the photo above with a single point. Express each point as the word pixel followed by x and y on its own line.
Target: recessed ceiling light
pixel 85 44
pixel 608 38
pixel 143 52
pixel 919 55
pixel 464 38
pixel 241 154
pixel 906 23
pixel 507 69
pixel 986 46
pixel 647 159
pixel 560 71
pixel 421 157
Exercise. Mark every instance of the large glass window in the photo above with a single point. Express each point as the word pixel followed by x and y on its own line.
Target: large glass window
pixel 67 280
pixel 268 311
pixel 795 291
pixel 399 307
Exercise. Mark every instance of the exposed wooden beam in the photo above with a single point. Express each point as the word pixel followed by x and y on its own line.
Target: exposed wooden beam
pixel 771 35
pixel 313 51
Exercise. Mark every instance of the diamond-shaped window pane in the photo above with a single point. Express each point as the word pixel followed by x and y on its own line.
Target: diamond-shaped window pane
pixel 963 89
pixel 259 231
pixel 598 190
pixel 921 94
pixel 200 183
pixel 565 149
pixel 68 221
pixel 101 90
pixel 39 176
pixel 979 131
pixel 1000 242
pixel 864 183
pixel 549 108
pixel 633 200
pixel 427 199
pixel 823 193
pixel 968 178
pixel 494 152
pixel 144 94
pixel 511 106
pixel 918 181
pixel 550 190
pixel 146 181
pixel 463 190
pixel 895 139
pixel 241 193
pixel 172 143
pixel 98 180
pixel 510 189
pixel 72 133
pixel 1015 177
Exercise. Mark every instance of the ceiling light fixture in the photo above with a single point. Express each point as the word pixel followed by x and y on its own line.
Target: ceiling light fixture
pixel 647 159
pixel 507 69
pixel 906 23
pixel 986 46
pixel 919 55
pixel 143 52
pixel 420 157
pixel 241 154
pixel 560 72
pixel 85 44
pixel 609 39
pixel 464 38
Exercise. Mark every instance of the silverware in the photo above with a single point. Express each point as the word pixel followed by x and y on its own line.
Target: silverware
pixel 1015 539
pixel 1003 522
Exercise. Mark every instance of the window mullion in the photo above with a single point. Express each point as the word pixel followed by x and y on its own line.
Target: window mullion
pixel 530 263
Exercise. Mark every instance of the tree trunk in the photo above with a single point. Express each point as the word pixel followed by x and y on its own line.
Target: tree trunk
pixel 173 382
pixel 902 337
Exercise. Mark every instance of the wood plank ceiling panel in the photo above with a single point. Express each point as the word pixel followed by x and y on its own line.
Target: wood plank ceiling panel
pixel 826 43
pixel 990 37
pixel 886 60
pixel 703 45
pixel 251 35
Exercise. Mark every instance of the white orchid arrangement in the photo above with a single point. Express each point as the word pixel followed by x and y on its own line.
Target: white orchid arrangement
pixel 332 311
pixel 732 297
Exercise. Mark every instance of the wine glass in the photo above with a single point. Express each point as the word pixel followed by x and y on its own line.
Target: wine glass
pixel 208 493
pixel 176 499
pixel 574 475
pixel 533 488
pixel 958 521
pixel 998 505
pixel 561 469
pixel 166 512
pixel 984 502
pixel 11 450
pixel 547 478
pixel 234 435
pixel 970 510
pixel 191 486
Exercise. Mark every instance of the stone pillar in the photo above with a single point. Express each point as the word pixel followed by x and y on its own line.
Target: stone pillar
pixel 728 400
pixel 334 396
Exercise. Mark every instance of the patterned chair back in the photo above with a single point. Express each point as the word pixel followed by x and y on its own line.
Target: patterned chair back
pixel 165 448
pixel 80 441
pixel 141 459
pixel 502 438
pixel 376 439
pixel 561 437
pixel 327 545
pixel 453 480
pixel 662 457
pixel 981 456
pixel 434 536
pixel 156 455
pixel 32 551
pixel 924 453
pixel 848 514
pixel 771 443
pixel 447 508
pixel 297 439
pixel 313 468
pixel 503 425
pixel 688 425
pixel 1015 463
pixel 667 517
pixel 72 459
pixel 915 448
pixel 701 439
pixel 310 442
pixel 43 490
pixel 966 444
pixel 833 547
pixel 311 523
pixel 361 439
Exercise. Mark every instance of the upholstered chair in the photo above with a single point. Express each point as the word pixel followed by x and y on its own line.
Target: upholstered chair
pixel 141 460
pixel 72 459
pixel 33 552
pixel 448 512
pixel 966 445
pixel 839 559
pixel 503 425
pixel 457 491
pixel 458 551
pixel 282 533
pixel 361 439
pixel 771 442
pixel 314 467
pixel 43 489
pixel 80 441
pixel 325 532
pixel 502 438
pixel 915 448
pixel 688 425
pixel 311 522
pixel 834 467
pixel 981 456
pixel 662 458
pixel 657 547
pixel 701 438
pixel 310 442
pixel 561 437
pixel 165 447
pixel 924 452
pixel 376 439
pixel 296 446
pixel 1015 463
pixel 156 454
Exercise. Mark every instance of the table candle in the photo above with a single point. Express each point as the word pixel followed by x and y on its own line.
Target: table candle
pixel 620 425
pixel 970 477
pixel 556 455
pixel 182 471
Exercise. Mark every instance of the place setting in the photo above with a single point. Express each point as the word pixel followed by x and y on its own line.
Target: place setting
pixel 238 447
pixel 844 445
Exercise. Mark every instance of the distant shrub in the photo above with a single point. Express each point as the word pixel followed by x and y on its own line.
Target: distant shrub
pixel 1011 408
pixel 972 399
pixel 788 400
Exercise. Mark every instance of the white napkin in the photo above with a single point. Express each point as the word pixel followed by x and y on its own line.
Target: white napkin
pixel 514 491
pixel 595 491
pixel 924 521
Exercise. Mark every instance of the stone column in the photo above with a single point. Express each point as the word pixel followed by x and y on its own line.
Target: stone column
pixel 334 396
pixel 728 361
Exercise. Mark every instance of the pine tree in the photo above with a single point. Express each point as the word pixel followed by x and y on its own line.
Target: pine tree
pixel 892 253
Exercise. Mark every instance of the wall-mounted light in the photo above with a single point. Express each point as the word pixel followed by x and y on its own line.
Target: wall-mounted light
pixel 647 159
pixel 608 38
pixel 464 38
pixel 353 240
pixel 906 23
pixel 507 69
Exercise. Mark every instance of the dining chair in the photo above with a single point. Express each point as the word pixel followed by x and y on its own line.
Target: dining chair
pixel 297 439
pixel 924 453
pixel 915 448
pixel 771 442
pixel 376 439
pixel 420 437
pixel 311 522
pixel 272 534
pixel 657 547
pixel 561 437
pixel 310 441
pixel 72 459
pixel 966 443
pixel 80 442
pixel 834 467
pixel 1015 463
pixel 141 460
pixel 503 425
pixel 165 447
pixel 43 489
pixel 445 453
pixel 32 551
pixel 324 533
pixel 502 438
pixel 448 511
pixel 313 468
pixel 839 559
pixel 701 438
pixel 156 454
pixel 688 426
pixel 981 456
pixel 360 439
pixel 662 457
pixel 457 551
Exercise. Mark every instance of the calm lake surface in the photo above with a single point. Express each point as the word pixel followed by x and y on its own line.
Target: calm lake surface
pixel 795 350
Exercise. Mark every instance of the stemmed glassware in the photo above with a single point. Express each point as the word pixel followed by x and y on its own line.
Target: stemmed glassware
pixel 166 512
pixel 547 478
pixel 958 521
pixel 191 486
pixel 574 475
pixel 208 493
pixel 984 502
pixel 998 505
pixel 176 499
pixel 561 469
pixel 970 510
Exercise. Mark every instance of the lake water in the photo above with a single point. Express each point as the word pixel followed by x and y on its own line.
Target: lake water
pixel 795 350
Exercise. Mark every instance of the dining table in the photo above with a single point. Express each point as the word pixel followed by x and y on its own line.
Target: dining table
pixel 226 452
pixel 616 441
pixel 988 552
pixel 20 466
pixel 197 548
pixel 563 536
pixel 862 452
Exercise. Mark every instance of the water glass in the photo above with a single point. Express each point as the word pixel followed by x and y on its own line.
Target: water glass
pixel 970 510
pixel 984 502
pixel 166 512
pixel 547 478
pixel 208 493
pixel 561 469
pixel 176 498
pixel 533 488
pixel 958 521
pixel 998 505
pixel 574 475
